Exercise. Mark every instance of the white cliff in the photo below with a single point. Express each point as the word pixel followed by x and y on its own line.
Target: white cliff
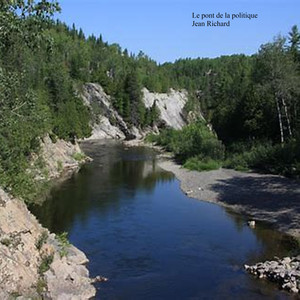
pixel 170 106
pixel 107 123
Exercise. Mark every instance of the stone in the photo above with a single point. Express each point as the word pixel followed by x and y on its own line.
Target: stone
pixel 19 264
pixel 251 223
pixel 286 260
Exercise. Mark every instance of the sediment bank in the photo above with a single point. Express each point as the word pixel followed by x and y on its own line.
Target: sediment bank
pixel 262 197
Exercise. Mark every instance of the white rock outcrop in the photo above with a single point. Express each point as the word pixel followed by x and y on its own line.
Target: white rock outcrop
pixel 107 123
pixel 170 106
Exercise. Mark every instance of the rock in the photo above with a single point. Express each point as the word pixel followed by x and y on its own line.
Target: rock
pixel 109 124
pixel 251 223
pixel 286 260
pixel 294 290
pixel 284 271
pixel 297 258
pixel 99 279
pixel 170 106
pixel 20 258
pixel 189 192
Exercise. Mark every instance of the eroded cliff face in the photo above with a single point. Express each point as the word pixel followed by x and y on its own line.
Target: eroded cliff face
pixel 170 106
pixel 107 123
pixel 33 263
pixel 61 157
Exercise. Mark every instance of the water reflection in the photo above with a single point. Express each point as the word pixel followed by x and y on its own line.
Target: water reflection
pixel 152 242
pixel 115 173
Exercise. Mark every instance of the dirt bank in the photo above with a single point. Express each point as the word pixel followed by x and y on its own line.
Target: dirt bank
pixel 270 198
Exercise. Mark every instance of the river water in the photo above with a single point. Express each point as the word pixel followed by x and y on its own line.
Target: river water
pixel 153 242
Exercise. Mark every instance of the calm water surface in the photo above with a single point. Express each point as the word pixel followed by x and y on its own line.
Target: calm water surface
pixel 153 242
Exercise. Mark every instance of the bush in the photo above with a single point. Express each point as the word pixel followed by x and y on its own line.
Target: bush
pixel 276 159
pixel 41 240
pixel 79 156
pixel 198 164
pixel 64 243
pixel 45 263
pixel 193 140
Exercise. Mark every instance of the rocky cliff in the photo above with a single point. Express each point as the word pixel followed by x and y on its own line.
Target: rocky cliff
pixel 107 123
pixel 170 106
pixel 33 262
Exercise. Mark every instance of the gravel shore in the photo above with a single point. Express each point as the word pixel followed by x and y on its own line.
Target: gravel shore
pixel 271 198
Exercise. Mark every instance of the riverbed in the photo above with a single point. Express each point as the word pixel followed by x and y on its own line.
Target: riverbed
pixel 150 240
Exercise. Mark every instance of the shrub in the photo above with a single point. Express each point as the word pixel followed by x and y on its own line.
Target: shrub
pixel 79 156
pixel 193 140
pixel 198 164
pixel 41 240
pixel 63 243
pixel 45 263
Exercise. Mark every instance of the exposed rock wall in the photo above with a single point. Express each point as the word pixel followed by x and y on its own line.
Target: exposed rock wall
pixel 60 157
pixel 107 123
pixel 170 106
pixel 24 246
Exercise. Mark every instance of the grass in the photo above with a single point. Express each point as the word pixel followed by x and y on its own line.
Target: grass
pixel 198 164
pixel 41 286
pixel 63 243
pixel 78 156
pixel 45 263
pixel 41 240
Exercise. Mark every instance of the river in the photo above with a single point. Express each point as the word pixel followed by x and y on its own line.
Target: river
pixel 152 241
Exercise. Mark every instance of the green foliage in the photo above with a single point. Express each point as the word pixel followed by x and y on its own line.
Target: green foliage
pixel 64 243
pixel 36 92
pixel 41 240
pixel 42 61
pixel 45 263
pixel 193 140
pixel 79 156
pixel 277 159
pixel 200 164
pixel 41 286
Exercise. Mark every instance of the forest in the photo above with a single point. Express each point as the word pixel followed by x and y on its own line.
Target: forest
pixel 251 102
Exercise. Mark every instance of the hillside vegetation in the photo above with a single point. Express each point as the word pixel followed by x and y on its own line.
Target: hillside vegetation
pixel 252 102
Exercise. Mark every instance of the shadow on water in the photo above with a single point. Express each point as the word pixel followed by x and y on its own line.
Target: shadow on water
pixel 153 242
pixel 121 173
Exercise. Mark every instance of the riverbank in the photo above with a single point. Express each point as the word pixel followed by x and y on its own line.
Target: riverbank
pixel 33 262
pixel 263 197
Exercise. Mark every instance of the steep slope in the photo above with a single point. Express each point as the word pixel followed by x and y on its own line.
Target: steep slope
pixel 170 106
pixel 107 123
pixel 31 260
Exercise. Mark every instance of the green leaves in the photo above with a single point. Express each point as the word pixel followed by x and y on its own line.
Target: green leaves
pixel 193 140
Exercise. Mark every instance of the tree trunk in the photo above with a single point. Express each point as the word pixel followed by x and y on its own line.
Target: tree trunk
pixel 287 117
pixel 279 119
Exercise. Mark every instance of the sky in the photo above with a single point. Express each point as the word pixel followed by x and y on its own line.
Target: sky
pixel 163 29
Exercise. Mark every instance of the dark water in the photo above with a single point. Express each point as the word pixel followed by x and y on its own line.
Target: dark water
pixel 152 242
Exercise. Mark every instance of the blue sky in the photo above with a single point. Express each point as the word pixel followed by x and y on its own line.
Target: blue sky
pixel 163 28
